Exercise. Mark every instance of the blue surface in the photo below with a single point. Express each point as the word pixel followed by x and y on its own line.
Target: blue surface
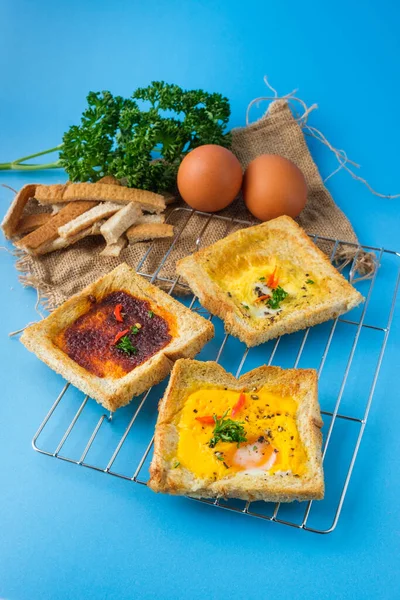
pixel 67 532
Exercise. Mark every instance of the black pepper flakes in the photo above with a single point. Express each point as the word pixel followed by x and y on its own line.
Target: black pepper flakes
pixel 195 410
pixel 254 397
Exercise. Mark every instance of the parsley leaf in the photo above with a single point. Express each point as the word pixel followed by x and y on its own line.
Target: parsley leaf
pixel 121 136
pixel 134 329
pixel 309 281
pixel 176 464
pixel 126 346
pixel 227 430
pixel 150 314
pixel 278 294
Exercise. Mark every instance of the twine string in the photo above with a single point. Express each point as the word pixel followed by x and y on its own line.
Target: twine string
pixel 340 155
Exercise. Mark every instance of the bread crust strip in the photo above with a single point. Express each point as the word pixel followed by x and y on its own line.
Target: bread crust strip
pixel 14 213
pixel 149 231
pixel 49 231
pixel 100 192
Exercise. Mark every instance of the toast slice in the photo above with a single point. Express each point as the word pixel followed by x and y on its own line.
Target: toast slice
pixel 276 411
pixel 117 337
pixel 268 280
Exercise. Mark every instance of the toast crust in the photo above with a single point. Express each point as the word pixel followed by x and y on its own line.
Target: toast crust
pixel 188 375
pixel 291 241
pixel 13 215
pixel 192 333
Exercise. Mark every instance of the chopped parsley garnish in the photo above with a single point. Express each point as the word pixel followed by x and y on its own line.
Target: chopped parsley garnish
pixel 309 281
pixel 219 456
pixel 126 346
pixel 278 294
pixel 150 314
pixel 245 306
pixel 176 464
pixel 227 430
pixel 134 329
pixel 261 279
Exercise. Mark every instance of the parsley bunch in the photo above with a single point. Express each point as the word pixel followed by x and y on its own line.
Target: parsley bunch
pixel 278 294
pixel 227 430
pixel 142 138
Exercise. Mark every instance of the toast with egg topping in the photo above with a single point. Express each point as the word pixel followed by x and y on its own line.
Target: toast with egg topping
pixel 253 438
pixel 117 337
pixel 268 280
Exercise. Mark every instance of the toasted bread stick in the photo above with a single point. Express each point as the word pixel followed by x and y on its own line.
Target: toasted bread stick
pixel 60 243
pixel 100 192
pixel 97 213
pixel 115 249
pixel 118 223
pixel 149 231
pixel 49 231
pixel 31 222
pixel 150 219
pixel 14 213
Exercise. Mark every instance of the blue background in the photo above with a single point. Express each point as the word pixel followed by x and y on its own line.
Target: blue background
pixel 67 532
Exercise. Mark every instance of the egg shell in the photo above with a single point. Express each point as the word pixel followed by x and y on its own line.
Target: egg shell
pixel 209 178
pixel 274 186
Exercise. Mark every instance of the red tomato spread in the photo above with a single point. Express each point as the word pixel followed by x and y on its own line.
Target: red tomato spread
pixel 93 341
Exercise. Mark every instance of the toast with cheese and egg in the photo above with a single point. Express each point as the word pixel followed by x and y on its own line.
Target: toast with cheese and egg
pixel 268 280
pixel 253 438
pixel 117 337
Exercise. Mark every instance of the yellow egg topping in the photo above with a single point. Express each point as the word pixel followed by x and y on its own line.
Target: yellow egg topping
pixel 265 420
pixel 264 286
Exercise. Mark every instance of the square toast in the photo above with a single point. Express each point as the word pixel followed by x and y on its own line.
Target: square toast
pixel 117 337
pixel 268 280
pixel 278 411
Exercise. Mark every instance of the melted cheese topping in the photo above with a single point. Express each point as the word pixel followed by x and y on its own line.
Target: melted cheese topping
pixel 246 278
pixel 272 442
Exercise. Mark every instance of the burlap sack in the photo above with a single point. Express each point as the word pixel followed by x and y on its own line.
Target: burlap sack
pixel 58 275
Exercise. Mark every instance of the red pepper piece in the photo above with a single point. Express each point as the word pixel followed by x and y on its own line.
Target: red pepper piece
pixel 117 313
pixel 208 420
pixel 273 280
pixel 120 335
pixel 261 298
pixel 239 405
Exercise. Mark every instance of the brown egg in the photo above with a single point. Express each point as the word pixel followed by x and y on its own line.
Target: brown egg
pixel 273 186
pixel 209 178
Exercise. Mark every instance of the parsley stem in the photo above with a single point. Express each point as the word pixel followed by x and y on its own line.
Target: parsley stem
pixel 16 165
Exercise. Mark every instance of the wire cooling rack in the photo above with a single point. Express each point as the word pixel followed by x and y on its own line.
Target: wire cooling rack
pixel 347 353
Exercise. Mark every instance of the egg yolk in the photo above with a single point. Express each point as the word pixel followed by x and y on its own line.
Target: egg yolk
pixel 272 445
pixel 251 280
